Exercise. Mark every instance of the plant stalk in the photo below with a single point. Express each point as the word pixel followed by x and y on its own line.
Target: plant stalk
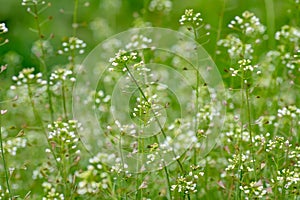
pixel 3 160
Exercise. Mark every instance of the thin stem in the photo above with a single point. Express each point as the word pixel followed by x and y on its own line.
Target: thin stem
pixel 63 168
pixel 196 118
pixel 75 11
pixel 122 160
pixel 239 194
pixel 269 7
pixel 139 145
pixel 138 175
pixel 74 26
pixel 195 33
pixel 3 159
pixel 250 130
pixel 43 55
pixel 39 119
pixel 197 98
pixel 43 60
pixel 156 119
pixel 144 96
pixel 35 112
pixel 3 43
pixel 64 100
pixel 221 16
pixel 188 195
pixel 160 126
pixel 286 163
pixel 50 100
pixel 168 181
pixel 64 174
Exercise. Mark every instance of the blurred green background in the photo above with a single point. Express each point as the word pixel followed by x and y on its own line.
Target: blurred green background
pixel 100 19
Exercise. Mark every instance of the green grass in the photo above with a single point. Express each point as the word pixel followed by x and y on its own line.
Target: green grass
pixel 185 106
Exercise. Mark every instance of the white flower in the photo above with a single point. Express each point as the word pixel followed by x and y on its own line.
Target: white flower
pixel 3 28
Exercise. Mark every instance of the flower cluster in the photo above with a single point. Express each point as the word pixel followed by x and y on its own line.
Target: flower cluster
pixel 254 190
pixel 291 111
pixel 244 66
pixel 240 160
pixel 288 33
pixel 147 110
pixel 138 42
pixel 27 76
pixel 248 24
pixel 72 44
pixel 232 132
pixel 183 135
pixel 51 192
pixel 129 129
pixel 188 183
pixel 64 138
pixel 289 37
pixel 122 57
pixel 3 28
pixel 61 75
pixel 260 140
pixel 189 18
pixel 160 5
pixel 295 154
pixel 12 145
pixel 236 48
pixel 277 143
pixel 94 178
pixel 33 2
pixel 290 61
pixel 142 108
pixel 288 178
pixel 99 100
pixel 204 116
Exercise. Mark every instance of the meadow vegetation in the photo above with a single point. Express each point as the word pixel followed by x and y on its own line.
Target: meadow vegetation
pixel 199 100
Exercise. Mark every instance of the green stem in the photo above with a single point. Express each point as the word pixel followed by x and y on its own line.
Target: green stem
pixel 156 119
pixel 75 27
pixel 75 12
pixel 43 60
pixel 221 16
pixel 3 159
pixel 43 56
pixel 35 112
pixel 197 99
pixel 146 99
pixel 196 119
pixel 64 174
pixel 161 129
pixel 62 168
pixel 3 43
pixel 239 194
pixel 286 166
pixel 168 182
pixel 250 131
pixel 40 121
pixel 269 6
pixel 63 92
pixel 139 143
pixel 122 163
pixel 50 100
